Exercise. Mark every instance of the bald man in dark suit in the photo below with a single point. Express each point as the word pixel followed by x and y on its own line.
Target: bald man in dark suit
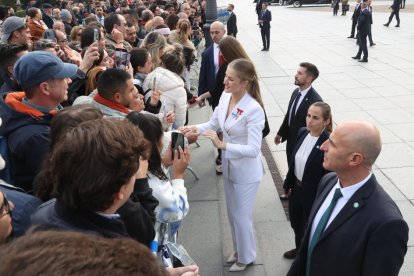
pixel 354 227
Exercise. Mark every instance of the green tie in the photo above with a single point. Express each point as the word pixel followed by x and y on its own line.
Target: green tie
pixel 321 227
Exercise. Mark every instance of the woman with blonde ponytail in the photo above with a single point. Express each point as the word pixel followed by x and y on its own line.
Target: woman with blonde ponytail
pixel 241 118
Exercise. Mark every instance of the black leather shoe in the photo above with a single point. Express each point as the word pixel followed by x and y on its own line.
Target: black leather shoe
pixel 386 25
pixel 363 60
pixel 397 26
pixel 356 57
pixel 350 36
pixel 264 49
pixel 373 44
pixel 291 254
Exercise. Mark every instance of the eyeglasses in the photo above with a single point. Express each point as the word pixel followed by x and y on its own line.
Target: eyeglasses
pixel 5 207
pixel 65 40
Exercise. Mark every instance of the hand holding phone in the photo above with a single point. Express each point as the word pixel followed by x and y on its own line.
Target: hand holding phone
pixel 121 58
pixel 177 142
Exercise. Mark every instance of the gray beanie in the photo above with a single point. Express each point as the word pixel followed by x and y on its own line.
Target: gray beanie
pixel 65 14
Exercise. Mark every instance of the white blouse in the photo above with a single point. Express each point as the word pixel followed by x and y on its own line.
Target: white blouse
pixel 302 155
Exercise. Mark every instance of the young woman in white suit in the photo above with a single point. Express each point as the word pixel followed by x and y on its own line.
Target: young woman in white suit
pixel 241 117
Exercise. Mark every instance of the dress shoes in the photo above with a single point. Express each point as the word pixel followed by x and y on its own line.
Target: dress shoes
pixel 291 254
pixel 356 57
pixel 350 36
pixel 264 49
pixel 372 44
pixel 232 258
pixel 237 268
pixel 363 60
pixel 386 25
pixel 397 26
pixel 283 197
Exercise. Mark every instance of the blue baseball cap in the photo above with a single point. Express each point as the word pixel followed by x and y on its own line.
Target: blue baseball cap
pixel 36 67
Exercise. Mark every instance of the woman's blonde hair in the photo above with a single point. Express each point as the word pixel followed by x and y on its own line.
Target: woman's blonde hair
pixel 184 27
pixel 246 71
pixel 74 32
pixel 153 42
pixel 92 79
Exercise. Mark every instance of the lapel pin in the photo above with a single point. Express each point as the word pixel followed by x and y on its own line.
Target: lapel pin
pixel 317 147
pixel 356 205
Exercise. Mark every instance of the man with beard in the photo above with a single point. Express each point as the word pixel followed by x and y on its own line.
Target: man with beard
pixel 299 103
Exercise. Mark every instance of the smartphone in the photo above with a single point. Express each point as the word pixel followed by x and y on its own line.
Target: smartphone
pixel 121 58
pixel 177 140
pixel 49 34
pixel 154 84
pixel 95 35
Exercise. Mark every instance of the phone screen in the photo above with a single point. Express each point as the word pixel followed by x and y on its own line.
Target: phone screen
pixel 177 140
pixel 121 58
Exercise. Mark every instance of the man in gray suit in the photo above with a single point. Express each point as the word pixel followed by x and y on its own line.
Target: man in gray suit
pixel 354 227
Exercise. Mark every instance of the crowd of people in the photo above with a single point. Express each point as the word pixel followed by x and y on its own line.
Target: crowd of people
pixel 91 96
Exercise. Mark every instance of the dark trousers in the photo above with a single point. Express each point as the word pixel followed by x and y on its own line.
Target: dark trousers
pixel 265 37
pixel 298 214
pixel 370 36
pixel 397 16
pixel 363 46
pixel 354 23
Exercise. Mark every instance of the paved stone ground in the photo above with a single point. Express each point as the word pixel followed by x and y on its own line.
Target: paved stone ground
pixel 381 91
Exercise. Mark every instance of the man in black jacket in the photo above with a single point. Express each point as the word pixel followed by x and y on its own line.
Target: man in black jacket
pixel 299 103
pixel 232 22
pixel 395 11
pixel 97 167
pixel 354 18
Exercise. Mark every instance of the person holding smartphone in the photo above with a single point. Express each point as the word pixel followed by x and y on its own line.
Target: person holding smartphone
pixel 169 191
pixel 240 115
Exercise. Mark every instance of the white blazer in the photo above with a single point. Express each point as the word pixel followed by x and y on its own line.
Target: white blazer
pixel 242 132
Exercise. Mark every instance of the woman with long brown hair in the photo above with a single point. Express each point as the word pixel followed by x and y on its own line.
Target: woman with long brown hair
pixel 230 49
pixel 241 117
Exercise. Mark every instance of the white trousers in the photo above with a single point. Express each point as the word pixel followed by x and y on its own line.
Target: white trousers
pixel 240 199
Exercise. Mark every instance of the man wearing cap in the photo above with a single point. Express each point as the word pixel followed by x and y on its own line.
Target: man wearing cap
pixel 27 115
pixel 47 15
pixel 67 20
pixel 15 31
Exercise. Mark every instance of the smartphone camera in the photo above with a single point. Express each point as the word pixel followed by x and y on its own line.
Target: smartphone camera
pixel 177 140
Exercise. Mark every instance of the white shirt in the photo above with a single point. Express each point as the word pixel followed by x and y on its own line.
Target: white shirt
pixel 302 96
pixel 216 56
pixel 347 193
pixel 302 155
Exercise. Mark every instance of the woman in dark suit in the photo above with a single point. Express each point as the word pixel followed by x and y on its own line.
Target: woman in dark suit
pixel 306 170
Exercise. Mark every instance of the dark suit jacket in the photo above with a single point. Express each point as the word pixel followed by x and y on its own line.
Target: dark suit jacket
pixel 259 6
pixel 313 172
pixel 395 5
pixel 289 133
pixel 232 25
pixel 364 22
pixel 368 237
pixel 356 13
pixel 207 71
pixel 266 17
pixel 48 20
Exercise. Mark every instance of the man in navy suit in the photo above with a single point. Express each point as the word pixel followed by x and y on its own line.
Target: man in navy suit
pixel 265 17
pixel 210 59
pixel 232 22
pixel 354 227
pixel 364 26
pixel 299 103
